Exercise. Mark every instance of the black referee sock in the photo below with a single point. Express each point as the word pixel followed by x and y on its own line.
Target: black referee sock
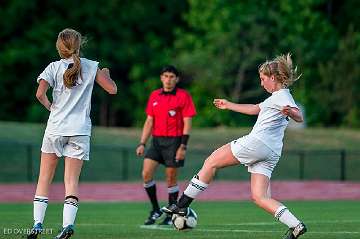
pixel 173 194
pixel 150 189
pixel 173 198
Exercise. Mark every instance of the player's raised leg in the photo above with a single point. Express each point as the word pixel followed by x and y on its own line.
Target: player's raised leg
pixel 220 158
pixel 46 175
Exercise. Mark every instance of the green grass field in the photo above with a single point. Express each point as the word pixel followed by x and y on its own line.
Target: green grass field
pixel 217 220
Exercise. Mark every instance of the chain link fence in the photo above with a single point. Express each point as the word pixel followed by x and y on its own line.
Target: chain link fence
pixel 20 163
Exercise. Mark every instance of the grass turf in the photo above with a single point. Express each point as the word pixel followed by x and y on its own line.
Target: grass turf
pixel 220 220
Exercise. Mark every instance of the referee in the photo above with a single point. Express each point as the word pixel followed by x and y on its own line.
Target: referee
pixel 169 112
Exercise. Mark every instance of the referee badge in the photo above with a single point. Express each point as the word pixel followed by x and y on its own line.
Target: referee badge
pixel 172 113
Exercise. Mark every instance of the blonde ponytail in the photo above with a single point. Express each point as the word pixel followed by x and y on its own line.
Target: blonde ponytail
pixel 71 74
pixel 68 45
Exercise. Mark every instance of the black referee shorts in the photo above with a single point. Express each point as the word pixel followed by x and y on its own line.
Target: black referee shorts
pixel 163 150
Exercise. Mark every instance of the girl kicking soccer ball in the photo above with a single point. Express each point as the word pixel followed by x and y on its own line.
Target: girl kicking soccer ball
pixel 260 150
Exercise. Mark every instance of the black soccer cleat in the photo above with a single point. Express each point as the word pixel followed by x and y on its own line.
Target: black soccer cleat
pixel 66 232
pixel 35 231
pixel 295 232
pixel 154 215
pixel 174 209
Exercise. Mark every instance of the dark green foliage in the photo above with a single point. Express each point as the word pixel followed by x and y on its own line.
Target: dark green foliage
pixel 217 44
pixel 129 37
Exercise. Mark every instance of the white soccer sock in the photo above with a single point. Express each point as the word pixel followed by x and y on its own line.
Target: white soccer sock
pixel 285 216
pixel 195 187
pixel 69 213
pixel 40 205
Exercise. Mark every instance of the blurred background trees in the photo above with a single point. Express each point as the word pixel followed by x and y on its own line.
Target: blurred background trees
pixel 217 45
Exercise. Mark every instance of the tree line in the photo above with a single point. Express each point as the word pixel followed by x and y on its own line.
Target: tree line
pixel 217 44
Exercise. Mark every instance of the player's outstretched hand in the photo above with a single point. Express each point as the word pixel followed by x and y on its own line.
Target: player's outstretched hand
pixel 221 103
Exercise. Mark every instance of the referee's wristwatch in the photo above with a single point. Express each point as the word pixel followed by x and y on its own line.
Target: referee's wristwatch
pixel 183 146
pixel 142 144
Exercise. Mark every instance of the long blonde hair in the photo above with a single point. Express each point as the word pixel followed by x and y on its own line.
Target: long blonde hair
pixel 68 45
pixel 281 67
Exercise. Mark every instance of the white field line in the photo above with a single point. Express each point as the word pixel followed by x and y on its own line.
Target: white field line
pixel 157 227
pixel 101 224
pixel 275 223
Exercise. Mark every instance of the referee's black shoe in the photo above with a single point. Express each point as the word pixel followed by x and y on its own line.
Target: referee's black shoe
pixel 174 209
pixel 154 215
pixel 296 232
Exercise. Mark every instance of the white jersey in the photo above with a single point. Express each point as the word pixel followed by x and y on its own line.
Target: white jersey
pixel 271 123
pixel 70 109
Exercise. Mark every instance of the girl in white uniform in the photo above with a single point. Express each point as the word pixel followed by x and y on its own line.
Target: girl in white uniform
pixel 68 129
pixel 261 149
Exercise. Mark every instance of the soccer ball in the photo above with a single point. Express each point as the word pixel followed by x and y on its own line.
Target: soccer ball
pixel 185 222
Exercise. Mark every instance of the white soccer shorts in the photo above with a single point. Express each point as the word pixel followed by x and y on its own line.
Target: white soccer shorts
pixel 77 147
pixel 254 154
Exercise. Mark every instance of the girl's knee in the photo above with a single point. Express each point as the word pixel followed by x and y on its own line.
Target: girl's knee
pixel 258 199
pixel 210 163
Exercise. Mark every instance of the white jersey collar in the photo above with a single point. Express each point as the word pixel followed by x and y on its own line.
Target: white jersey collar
pixel 68 60
pixel 281 90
